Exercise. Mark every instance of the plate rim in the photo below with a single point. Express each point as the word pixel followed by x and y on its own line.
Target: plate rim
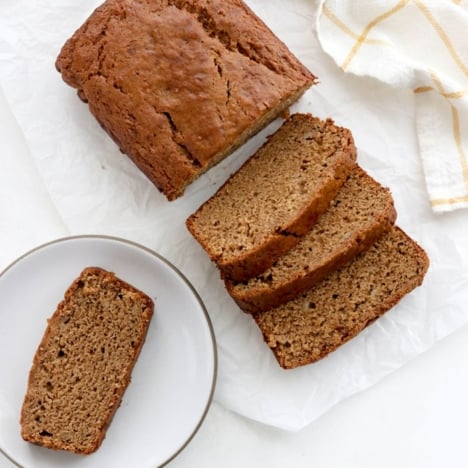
pixel 180 274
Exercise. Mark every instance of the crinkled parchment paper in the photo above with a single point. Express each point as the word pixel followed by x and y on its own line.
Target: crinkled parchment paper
pixel 96 189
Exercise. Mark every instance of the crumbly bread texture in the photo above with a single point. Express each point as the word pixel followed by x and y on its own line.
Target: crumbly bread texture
pixel 362 211
pixel 275 197
pixel 318 321
pixel 84 362
pixel 180 84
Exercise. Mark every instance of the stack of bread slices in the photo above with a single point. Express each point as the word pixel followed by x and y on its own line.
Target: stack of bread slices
pixel 305 241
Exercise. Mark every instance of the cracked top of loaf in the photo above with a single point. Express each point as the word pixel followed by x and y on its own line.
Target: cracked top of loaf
pixel 179 84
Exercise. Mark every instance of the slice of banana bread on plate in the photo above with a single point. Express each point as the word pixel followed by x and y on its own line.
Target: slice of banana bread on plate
pixel 84 362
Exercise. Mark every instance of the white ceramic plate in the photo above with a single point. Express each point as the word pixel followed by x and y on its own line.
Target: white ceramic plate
pixel 172 382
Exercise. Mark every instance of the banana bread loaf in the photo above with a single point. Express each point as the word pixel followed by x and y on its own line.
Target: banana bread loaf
pixel 361 212
pixel 84 362
pixel 179 84
pixel 275 197
pixel 335 310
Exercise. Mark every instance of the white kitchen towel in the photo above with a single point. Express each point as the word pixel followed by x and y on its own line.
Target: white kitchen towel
pixel 420 45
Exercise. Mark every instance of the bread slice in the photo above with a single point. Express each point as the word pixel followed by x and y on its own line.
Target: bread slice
pixel 84 362
pixel 362 211
pixel 275 197
pixel 318 321
pixel 180 84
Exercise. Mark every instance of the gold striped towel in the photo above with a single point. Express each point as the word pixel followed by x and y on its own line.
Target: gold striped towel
pixel 420 45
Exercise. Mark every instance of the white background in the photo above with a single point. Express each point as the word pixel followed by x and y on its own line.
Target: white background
pixel 415 417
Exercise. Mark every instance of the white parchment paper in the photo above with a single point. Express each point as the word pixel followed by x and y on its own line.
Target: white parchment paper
pixel 97 190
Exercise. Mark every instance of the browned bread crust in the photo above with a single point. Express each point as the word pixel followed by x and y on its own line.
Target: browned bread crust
pixel 362 211
pixel 84 362
pixel 318 321
pixel 275 197
pixel 179 84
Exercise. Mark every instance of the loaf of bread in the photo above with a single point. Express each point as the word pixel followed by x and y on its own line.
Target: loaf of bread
pixel 275 197
pixel 180 84
pixel 361 212
pixel 84 362
pixel 335 310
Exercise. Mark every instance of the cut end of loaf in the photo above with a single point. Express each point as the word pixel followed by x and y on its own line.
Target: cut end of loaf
pixel 83 364
pixel 361 212
pixel 275 197
pixel 320 320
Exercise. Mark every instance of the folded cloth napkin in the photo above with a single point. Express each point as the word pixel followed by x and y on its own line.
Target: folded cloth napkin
pixel 29 217
pixel 421 45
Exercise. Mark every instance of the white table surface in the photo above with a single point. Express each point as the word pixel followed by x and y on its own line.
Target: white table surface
pixel 415 417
